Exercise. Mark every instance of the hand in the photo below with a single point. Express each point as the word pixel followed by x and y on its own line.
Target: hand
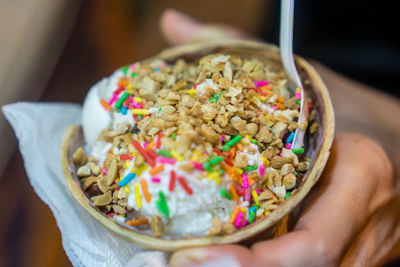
pixel 356 180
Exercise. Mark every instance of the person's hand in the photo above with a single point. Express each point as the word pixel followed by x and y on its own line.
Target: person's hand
pixel 356 180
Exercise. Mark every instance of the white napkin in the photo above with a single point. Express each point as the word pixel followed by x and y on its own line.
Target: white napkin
pixel 39 128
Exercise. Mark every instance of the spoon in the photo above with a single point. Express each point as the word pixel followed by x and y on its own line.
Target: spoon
pixel 286 46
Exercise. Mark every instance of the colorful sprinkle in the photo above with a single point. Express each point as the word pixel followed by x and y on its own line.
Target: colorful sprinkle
pixel 105 105
pixel 197 165
pixel 239 147
pixel 164 153
pixel 225 194
pixel 191 91
pixel 176 155
pixel 215 98
pixel 143 152
pixel 255 196
pixel 220 171
pixel 214 176
pixel 121 100
pixel 223 138
pixel 124 69
pixel 145 190
pixel 298 96
pixel 261 83
pixel 164 204
pixel 173 136
pixel 247 194
pixel 213 161
pixel 298 151
pixel 251 168
pixel 182 182
pixel 261 170
pixel 138 197
pixel 125 157
pixel 172 178
pixel 126 189
pixel 252 216
pixel 156 180
pixel 234 215
pixel 231 143
pixel 233 192
pixel 156 170
pixel 265 160
pixel 229 162
pixel 290 138
pixel 152 154
pixel 137 111
pixel 158 143
pixel 127 179
pixel 262 98
pixel 166 160
pixel 245 180
pixel 139 170
pixel 150 146
pixel 112 99
pixel 239 219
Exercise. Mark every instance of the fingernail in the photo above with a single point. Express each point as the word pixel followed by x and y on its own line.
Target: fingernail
pixel 187 257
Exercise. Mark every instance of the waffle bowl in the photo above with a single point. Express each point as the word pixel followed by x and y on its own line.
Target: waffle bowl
pixel 317 146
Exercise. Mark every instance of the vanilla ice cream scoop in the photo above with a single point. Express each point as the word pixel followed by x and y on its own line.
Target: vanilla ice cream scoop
pixel 94 117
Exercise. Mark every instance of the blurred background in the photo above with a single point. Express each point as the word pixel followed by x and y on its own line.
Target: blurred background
pixel 55 50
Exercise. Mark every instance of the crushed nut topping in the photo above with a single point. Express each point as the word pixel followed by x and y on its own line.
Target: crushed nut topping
pixel 221 118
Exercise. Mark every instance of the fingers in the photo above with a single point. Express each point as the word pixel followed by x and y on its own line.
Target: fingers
pixel 179 28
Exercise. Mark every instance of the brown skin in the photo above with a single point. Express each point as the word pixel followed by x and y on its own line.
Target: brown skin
pixel 351 201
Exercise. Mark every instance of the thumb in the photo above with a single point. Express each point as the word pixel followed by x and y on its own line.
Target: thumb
pixel 179 28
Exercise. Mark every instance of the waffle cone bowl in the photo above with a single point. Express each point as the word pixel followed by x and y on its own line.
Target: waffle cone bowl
pixel 317 147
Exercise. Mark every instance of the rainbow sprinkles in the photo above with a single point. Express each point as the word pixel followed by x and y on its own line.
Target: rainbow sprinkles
pixel 194 148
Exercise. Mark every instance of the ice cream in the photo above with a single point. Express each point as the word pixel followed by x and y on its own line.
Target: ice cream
pixel 191 148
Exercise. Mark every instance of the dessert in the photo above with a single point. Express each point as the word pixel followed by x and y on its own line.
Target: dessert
pixel 192 148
